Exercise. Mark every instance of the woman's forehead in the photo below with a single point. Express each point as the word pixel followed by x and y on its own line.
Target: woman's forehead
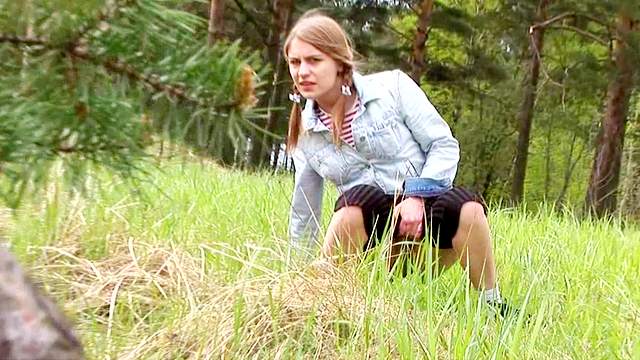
pixel 300 48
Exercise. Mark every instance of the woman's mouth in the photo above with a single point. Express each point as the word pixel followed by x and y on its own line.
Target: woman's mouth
pixel 306 85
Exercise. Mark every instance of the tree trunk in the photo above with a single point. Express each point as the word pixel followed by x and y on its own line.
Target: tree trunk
pixel 218 135
pixel 282 10
pixel 479 164
pixel 216 21
pixel 418 66
pixel 547 162
pixel 630 204
pixel 31 326
pixel 525 115
pixel 605 173
pixel 276 156
pixel 568 172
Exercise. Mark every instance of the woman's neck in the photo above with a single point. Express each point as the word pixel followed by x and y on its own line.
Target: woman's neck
pixel 328 101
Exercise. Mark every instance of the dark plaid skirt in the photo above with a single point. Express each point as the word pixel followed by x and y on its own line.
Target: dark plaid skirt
pixel 442 212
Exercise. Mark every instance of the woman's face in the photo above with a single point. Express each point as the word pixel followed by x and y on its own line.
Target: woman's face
pixel 314 73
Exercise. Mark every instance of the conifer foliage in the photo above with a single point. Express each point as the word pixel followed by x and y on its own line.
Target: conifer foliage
pixel 89 81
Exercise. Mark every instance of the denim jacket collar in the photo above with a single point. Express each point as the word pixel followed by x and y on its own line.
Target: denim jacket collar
pixel 365 93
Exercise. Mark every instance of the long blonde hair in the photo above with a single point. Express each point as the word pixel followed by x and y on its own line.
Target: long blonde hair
pixel 325 34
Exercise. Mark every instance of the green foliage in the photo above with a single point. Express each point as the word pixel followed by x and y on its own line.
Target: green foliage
pixel 367 24
pixel 92 81
pixel 149 59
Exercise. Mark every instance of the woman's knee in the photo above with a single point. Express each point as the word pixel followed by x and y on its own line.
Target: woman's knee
pixel 346 232
pixel 472 212
pixel 472 220
pixel 349 215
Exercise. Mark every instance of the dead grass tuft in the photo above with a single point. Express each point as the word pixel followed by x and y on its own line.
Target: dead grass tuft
pixel 312 309
pixel 268 316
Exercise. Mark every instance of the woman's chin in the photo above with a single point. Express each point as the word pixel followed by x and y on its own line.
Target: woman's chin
pixel 307 95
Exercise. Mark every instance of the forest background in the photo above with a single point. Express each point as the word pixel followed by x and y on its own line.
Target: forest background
pixel 542 95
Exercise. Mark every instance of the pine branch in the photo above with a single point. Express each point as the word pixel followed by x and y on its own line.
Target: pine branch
pixel 79 50
pixel 152 80
pixel 565 15
pixel 584 33
pixel 105 14
pixel 22 40
pixel 396 31
pixel 596 20
pixel 122 68
pixel 552 20
pixel 251 18
pixel 551 23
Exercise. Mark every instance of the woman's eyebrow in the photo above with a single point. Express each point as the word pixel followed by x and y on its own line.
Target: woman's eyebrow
pixel 313 56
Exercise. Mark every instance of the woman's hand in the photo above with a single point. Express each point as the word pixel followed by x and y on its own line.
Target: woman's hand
pixel 411 212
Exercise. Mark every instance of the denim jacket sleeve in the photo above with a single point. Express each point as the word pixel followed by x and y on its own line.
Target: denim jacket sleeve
pixel 434 137
pixel 306 204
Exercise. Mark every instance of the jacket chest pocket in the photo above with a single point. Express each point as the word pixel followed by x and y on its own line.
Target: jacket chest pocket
pixel 383 138
pixel 330 163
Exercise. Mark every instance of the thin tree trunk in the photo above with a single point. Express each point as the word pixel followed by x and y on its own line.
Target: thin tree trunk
pixel 478 164
pixel 605 173
pixel 547 162
pixel 225 149
pixel 29 34
pixel 630 204
pixel 216 21
pixel 568 172
pixel 418 66
pixel 525 114
pixel 282 10
pixel 276 156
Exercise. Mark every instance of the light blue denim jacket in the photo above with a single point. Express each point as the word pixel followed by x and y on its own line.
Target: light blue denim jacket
pixel 402 145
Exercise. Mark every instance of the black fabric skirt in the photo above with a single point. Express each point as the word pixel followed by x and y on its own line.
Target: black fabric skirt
pixel 442 212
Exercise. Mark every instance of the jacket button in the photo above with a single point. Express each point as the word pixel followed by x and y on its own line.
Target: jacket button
pixel 361 138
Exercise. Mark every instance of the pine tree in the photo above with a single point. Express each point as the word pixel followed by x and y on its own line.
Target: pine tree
pixel 601 198
pixel 89 82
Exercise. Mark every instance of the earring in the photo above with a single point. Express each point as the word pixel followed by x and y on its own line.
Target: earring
pixel 346 90
pixel 296 98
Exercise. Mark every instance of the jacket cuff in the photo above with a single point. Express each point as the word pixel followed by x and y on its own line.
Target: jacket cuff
pixel 424 187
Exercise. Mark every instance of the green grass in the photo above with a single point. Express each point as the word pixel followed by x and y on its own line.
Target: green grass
pixel 194 265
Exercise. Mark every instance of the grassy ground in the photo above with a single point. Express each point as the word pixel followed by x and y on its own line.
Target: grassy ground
pixel 195 266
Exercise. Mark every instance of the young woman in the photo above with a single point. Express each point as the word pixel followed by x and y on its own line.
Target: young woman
pixel 386 149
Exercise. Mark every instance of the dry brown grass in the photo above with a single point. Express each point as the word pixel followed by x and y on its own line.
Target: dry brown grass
pixel 327 303
pixel 267 315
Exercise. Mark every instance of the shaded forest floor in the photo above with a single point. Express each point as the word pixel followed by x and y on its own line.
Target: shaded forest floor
pixel 194 265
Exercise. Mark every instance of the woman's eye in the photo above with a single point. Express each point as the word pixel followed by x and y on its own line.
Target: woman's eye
pixel 294 61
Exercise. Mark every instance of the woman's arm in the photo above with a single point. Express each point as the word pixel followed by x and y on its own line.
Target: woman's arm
pixel 306 204
pixel 434 137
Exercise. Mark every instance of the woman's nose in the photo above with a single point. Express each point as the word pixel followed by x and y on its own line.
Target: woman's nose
pixel 304 69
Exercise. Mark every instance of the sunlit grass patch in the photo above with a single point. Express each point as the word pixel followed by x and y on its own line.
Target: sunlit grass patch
pixel 196 266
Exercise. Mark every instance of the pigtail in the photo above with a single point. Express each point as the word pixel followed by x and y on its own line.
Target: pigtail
pixel 339 110
pixel 338 118
pixel 295 119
